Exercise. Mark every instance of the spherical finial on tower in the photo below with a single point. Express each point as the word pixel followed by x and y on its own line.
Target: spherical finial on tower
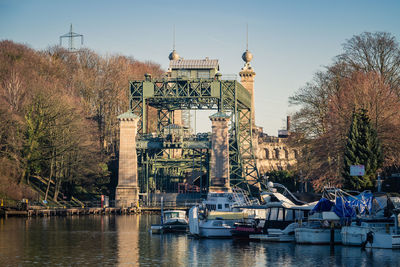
pixel 247 56
pixel 174 55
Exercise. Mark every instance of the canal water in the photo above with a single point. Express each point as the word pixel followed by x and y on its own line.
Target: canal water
pixel 125 241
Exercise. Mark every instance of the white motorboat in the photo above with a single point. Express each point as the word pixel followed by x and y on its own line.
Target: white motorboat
pixel 172 221
pixel 371 235
pixel 319 229
pixel 335 209
pixel 269 221
pixel 374 231
pixel 215 218
pixel 216 224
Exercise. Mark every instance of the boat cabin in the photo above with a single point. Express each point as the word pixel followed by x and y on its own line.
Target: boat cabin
pixel 219 201
pixel 172 214
pixel 279 216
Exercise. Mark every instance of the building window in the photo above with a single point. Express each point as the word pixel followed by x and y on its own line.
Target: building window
pixel 203 74
pixel 277 156
pixel 266 153
pixel 286 153
pixel 184 73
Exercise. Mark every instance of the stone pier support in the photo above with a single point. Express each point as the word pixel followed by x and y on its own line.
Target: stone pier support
pixel 127 192
pixel 219 163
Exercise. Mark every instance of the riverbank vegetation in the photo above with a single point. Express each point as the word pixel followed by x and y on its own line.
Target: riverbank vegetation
pixel 58 113
pixel 362 84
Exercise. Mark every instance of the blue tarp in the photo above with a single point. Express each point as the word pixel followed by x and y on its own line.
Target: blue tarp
pixel 363 202
pixel 346 206
pixel 322 205
pixel 349 206
pixel 343 208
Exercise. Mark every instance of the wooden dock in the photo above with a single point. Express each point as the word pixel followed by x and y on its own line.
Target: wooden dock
pixel 37 212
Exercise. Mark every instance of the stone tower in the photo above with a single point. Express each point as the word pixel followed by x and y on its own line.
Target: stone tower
pixel 219 162
pixel 247 75
pixel 127 192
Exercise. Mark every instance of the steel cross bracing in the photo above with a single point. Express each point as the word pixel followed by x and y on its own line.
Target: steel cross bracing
pixel 228 96
pixel 159 167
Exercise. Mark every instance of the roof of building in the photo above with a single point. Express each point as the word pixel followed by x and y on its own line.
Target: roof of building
pixel 194 64
pixel 127 115
pixel 219 115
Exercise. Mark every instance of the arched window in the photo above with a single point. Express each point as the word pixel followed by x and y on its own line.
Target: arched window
pixel 286 153
pixel 277 154
pixel 266 151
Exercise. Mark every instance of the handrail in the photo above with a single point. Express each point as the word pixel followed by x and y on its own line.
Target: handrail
pixel 286 191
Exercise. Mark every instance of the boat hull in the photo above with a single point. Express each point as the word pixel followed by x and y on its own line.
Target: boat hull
pixel 215 232
pixel 356 236
pixel 243 232
pixel 316 236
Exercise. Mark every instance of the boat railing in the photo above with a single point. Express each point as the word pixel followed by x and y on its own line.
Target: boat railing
pixel 242 199
pixel 286 191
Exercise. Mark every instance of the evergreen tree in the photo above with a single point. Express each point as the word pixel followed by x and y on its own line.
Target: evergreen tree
pixel 362 148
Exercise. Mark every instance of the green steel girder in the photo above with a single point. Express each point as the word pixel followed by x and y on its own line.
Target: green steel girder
pixel 228 96
pixel 164 118
pixel 163 160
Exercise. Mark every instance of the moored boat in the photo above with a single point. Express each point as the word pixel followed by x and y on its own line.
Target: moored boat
pixel 215 217
pixel 274 216
pixel 375 231
pixel 335 209
pixel 172 221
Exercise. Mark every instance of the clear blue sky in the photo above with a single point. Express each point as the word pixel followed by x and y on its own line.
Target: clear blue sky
pixel 290 40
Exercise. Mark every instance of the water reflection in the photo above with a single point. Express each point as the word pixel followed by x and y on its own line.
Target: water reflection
pixel 127 228
pixel 126 241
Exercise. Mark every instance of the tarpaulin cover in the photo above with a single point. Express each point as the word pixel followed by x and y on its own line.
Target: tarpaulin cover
pixel 363 202
pixel 350 206
pixel 343 208
pixel 322 205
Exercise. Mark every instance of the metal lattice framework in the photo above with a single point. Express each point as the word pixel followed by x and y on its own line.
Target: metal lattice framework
pixel 167 96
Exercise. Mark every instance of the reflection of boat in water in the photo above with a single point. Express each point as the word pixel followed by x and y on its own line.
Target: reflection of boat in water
pixel 375 231
pixel 171 221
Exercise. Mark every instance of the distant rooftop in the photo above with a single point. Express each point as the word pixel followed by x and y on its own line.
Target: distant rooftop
pixel 194 64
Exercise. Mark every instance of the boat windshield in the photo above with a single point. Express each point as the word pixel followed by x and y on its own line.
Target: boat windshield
pixel 170 215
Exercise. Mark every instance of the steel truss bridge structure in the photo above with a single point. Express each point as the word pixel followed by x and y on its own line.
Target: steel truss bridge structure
pixel 158 159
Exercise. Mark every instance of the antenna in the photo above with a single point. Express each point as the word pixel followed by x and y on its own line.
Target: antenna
pixel 247 36
pixel 173 44
pixel 71 35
